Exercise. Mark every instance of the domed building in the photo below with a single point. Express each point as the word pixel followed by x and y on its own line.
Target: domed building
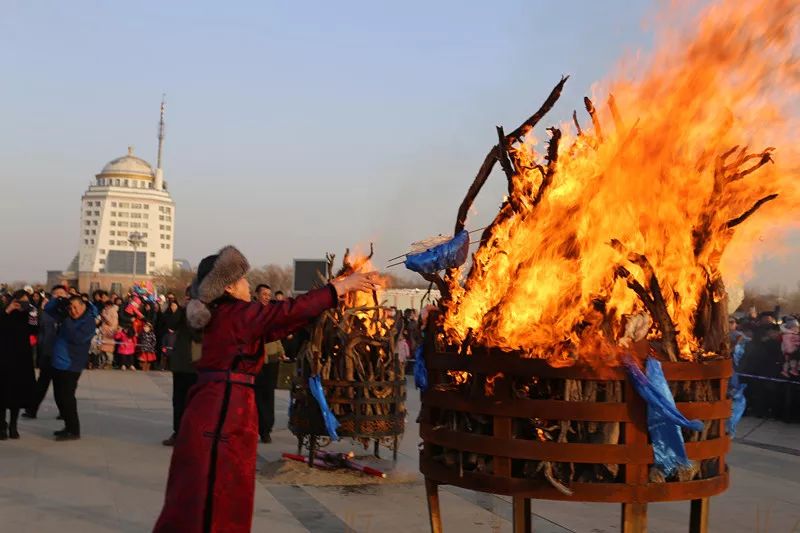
pixel 127 226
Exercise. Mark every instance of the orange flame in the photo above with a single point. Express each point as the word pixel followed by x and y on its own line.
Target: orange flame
pixel 662 170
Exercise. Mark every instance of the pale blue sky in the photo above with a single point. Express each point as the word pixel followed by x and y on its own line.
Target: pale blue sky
pixel 293 128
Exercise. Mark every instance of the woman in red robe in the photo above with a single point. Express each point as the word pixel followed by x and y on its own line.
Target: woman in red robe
pixel 212 474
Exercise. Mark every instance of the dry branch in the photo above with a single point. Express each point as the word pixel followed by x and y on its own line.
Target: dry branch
pixel 577 124
pixel 548 104
pixel 612 106
pixel 475 188
pixel 502 156
pixel 598 131
pixel 652 297
pixel 732 223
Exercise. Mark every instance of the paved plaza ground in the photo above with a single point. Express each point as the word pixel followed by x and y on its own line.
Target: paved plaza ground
pixel 113 478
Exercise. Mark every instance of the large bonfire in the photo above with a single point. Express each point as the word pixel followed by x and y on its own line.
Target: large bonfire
pixel 624 228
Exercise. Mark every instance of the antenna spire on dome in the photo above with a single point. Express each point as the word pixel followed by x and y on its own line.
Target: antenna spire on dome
pixel 130 150
pixel 161 129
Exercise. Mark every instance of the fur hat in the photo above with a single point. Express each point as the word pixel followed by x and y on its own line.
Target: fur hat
pixel 214 273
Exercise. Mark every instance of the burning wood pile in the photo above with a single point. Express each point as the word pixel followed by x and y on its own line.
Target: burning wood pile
pixel 612 245
pixel 352 349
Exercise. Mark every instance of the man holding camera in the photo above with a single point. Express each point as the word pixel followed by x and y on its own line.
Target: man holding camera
pixel 48 330
pixel 76 329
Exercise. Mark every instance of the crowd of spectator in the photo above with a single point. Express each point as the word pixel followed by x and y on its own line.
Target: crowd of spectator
pixel 766 351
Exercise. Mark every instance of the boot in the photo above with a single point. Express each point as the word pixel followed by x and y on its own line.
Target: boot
pixel 12 425
pixel 3 431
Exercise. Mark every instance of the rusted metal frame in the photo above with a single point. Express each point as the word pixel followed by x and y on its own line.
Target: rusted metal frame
pixel 521 513
pixel 576 411
pixel 434 514
pixel 576 452
pixel 493 361
pixel 634 510
pixel 586 491
pixel 698 515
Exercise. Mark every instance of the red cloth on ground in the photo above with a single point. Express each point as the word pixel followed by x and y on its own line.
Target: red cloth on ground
pixel 237 328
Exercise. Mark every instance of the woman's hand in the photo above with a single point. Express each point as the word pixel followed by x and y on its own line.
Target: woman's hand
pixel 358 281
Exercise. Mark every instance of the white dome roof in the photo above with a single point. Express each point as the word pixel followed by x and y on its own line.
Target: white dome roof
pixel 128 165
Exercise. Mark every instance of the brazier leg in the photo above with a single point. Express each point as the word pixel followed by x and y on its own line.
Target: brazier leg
pixel 634 518
pixel 432 492
pixel 522 514
pixel 698 518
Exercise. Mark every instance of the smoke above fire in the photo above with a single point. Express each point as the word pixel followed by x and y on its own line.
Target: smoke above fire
pixel 671 170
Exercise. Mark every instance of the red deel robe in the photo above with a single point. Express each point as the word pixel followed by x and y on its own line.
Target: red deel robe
pixel 206 497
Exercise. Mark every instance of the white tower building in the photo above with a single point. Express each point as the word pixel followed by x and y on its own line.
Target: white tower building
pixel 127 223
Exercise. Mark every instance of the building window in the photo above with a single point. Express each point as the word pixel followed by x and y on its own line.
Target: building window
pixel 162 245
pixel 113 204
pixel 160 217
pixel 94 232
pixel 124 204
pixel 102 261
pixel 161 226
pixel 112 233
pixel 116 182
pixel 94 222
pixel 86 232
pixel 86 241
pixel 113 222
pixel 97 213
pixel 146 206
pixel 91 241
pixel 122 224
pixel 113 213
pixel 152 263
pixel 169 228
pixel 152 254
pixel 127 183
pixel 87 223
pixel 111 243
pixel 88 213
pixel 168 247
pixel 101 251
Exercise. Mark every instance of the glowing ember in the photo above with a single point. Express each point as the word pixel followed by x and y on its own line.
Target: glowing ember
pixel 651 192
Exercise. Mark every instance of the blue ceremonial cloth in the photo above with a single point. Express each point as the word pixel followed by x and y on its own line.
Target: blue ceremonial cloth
pixel 420 372
pixel 663 418
pixel 331 424
pixel 738 403
pixel 450 254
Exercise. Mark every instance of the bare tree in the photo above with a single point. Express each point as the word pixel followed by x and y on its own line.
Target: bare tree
pixel 278 277
pixel 175 280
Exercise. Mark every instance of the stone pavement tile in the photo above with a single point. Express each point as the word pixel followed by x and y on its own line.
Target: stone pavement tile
pixel 270 515
pixel 401 508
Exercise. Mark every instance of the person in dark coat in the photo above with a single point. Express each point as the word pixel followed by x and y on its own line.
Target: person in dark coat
pixel 763 357
pixel 185 350
pixel 17 377
pixel 48 328
pixel 211 481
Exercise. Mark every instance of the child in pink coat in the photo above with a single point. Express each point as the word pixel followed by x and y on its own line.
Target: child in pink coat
pixel 126 340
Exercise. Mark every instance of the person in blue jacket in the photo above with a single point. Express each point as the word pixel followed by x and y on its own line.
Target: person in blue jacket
pixel 70 356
